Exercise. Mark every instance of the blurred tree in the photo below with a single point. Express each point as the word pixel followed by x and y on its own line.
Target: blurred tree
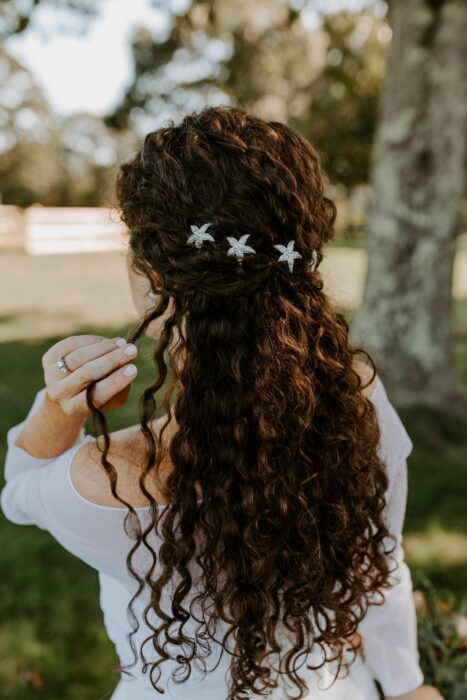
pixel 57 162
pixel 69 15
pixel 340 116
pixel 206 56
pixel 204 53
pixel 88 152
pixel 418 182
pixel 29 169
pixel 323 81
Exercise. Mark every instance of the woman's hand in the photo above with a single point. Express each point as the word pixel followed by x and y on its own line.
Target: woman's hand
pixel 423 692
pixel 89 357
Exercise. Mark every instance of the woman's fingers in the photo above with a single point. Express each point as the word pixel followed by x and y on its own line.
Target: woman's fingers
pixel 85 353
pixel 94 370
pixel 105 390
pixel 90 359
pixel 67 346
pixel 78 357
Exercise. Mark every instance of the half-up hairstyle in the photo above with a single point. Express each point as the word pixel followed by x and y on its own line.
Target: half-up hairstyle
pixel 274 427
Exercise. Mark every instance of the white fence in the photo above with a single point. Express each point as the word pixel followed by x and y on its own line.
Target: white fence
pixel 40 230
pixel 46 230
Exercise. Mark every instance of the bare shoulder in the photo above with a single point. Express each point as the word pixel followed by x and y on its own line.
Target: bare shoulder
pixel 365 372
pixel 127 454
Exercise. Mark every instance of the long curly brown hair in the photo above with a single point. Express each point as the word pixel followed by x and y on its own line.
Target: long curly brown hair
pixel 273 423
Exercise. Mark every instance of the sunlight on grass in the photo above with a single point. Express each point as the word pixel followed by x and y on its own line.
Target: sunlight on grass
pixel 436 547
pixel 21 653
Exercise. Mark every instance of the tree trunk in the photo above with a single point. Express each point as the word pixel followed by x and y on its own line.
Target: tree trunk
pixel 417 179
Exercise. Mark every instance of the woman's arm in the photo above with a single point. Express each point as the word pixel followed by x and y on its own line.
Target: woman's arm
pixel 18 460
pixel 47 431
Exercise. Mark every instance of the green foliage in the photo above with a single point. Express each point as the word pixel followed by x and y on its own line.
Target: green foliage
pixel 442 639
pixel 44 159
pixel 340 118
pixel 439 460
pixel 325 82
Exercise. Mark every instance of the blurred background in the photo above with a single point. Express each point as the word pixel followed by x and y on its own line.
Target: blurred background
pixel 380 90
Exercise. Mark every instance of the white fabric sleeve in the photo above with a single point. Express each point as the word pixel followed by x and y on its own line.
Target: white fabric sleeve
pixel 389 631
pixel 18 460
pixel 40 492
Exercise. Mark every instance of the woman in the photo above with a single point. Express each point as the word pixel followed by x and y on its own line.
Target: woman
pixel 258 523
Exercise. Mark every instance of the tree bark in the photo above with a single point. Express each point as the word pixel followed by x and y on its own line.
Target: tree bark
pixel 417 179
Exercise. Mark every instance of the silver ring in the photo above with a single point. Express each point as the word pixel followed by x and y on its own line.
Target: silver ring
pixel 62 365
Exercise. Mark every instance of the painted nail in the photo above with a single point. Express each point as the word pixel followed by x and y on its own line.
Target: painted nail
pixel 120 342
pixel 131 349
pixel 129 370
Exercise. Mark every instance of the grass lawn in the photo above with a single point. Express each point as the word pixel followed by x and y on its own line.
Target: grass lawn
pixel 52 640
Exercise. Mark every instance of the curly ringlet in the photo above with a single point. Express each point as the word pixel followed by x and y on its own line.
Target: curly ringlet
pixel 274 425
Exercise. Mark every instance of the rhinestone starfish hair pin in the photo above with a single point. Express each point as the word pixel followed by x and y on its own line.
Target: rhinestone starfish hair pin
pixel 238 247
pixel 288 253
pixel 198 235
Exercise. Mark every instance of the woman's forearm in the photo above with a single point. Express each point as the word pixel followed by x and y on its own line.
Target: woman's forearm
pixel 48 432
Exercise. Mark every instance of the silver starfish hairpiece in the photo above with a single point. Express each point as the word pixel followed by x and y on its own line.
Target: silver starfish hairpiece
pixel 198 235
pixel 288 253
pixel 238 247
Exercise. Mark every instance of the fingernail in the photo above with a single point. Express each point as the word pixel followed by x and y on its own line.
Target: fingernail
pixel 131 349
pixel 129 370
pixel 120 342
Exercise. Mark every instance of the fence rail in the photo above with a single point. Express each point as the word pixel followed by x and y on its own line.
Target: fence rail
pixel 42 230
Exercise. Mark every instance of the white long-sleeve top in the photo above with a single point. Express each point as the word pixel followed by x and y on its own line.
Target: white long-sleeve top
pixel 40 492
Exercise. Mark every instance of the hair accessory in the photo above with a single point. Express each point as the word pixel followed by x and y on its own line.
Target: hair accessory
pixel 288 253
pixel 198 235
pixel 238 247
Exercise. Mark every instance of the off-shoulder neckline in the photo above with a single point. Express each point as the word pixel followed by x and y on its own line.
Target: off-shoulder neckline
pixel 123 509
